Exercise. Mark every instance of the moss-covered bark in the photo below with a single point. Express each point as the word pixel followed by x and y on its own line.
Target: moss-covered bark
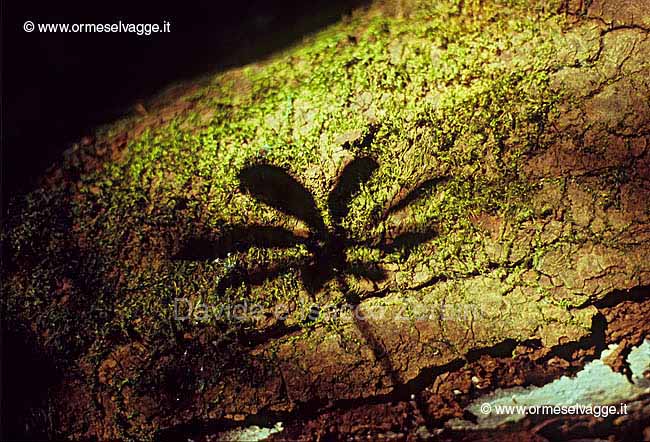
pixel 510 142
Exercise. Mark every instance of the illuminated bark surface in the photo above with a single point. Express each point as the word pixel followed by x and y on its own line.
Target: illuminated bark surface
pixel 474 178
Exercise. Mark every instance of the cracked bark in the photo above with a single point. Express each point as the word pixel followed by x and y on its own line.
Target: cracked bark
pixel 555 289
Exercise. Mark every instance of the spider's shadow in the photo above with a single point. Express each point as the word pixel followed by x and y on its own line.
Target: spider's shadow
pixel 326 245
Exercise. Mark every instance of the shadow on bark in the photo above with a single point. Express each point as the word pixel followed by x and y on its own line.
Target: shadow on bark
pixel 327 245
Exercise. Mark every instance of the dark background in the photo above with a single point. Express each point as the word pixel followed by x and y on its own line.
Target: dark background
pixel 57 87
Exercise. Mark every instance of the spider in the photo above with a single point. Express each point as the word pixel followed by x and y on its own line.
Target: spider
pixel 326 245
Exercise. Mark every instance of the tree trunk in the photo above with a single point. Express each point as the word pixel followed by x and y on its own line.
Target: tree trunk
pixel 421 204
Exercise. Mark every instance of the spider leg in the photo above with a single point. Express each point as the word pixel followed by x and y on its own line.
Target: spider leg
pixel 235 239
